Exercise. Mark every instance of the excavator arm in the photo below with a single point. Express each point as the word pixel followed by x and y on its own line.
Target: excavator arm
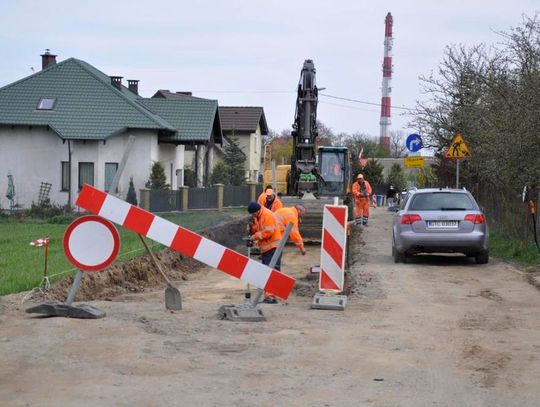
pixel 304 173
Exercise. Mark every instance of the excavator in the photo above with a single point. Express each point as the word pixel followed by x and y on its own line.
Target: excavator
pixel 316 176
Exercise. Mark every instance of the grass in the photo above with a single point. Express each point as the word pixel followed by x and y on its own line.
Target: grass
pixel 22 265
pixel 524 253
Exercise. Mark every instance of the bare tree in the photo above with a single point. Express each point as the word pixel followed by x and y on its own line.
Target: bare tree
pixel 397 143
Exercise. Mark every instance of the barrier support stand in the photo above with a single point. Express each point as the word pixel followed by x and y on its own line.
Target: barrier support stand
pixel 250 311
pixel 66 309
pixel 329 300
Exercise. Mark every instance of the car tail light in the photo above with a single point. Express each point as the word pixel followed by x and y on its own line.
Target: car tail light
pixel 476 219
pixel 410 219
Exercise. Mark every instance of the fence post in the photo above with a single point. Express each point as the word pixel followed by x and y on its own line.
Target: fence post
pixel 144 202
pixel 253 191
pixel 184 198
pixel 219 196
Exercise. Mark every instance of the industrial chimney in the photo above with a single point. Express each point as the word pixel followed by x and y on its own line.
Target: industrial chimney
pixel 385 121
pixel 47 59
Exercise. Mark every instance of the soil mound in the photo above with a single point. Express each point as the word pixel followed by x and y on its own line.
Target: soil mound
pixel 139 274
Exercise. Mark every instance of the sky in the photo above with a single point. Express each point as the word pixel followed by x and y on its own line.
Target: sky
pixel 250 53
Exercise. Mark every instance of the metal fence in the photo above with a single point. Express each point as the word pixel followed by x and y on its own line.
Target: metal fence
pixel 236 195
pixel 165 200
pixel 202 198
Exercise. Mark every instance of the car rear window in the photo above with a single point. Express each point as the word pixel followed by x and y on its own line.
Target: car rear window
pixel 442 201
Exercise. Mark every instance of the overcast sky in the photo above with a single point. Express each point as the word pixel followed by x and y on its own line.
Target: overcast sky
pixel 249 53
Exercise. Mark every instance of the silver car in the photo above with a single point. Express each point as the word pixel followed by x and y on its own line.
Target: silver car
pixel 440 221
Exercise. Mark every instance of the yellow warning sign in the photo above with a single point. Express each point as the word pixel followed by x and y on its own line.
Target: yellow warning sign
pixel 458 148
pixel 414 162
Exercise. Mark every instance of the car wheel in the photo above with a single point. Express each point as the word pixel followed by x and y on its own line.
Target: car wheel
pixel 482 257
pixel 398 257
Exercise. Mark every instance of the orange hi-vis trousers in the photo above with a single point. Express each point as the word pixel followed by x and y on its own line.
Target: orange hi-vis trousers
pixel 361 211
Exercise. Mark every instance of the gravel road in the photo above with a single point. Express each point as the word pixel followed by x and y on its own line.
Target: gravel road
pixel 439 331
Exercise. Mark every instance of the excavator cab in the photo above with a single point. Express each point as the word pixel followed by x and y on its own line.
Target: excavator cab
pixel 334 170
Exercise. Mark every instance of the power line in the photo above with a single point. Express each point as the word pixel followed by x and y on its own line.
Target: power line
pixel 290 91
pixel 363 102
pixel 349 107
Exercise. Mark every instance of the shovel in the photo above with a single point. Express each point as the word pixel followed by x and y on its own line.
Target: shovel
pixel 173 299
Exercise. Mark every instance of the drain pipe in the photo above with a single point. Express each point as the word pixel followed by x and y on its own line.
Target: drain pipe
pixel 69 173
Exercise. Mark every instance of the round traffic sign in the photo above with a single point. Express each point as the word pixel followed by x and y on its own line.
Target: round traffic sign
pixel 414 143
pixel 91 243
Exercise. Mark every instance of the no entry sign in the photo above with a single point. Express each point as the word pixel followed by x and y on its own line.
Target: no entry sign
pixel 91 243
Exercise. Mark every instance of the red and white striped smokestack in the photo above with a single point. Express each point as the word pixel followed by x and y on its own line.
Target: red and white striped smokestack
pixel 386 83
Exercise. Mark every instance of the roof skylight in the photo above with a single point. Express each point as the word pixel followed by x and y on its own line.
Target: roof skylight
pixel 46 103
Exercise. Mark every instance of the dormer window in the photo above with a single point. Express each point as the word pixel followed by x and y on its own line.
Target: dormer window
pixel 46 104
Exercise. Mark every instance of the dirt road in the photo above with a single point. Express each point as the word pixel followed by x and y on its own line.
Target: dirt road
pixel 441 331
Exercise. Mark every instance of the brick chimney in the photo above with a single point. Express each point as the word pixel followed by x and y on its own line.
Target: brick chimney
pixel 116 81
pixel 133 85
pixel 47 59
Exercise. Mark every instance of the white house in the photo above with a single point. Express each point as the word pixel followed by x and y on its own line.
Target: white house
pixel 69 124
pixel 246 124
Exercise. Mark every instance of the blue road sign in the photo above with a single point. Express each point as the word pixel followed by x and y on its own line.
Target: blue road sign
pixel 414 143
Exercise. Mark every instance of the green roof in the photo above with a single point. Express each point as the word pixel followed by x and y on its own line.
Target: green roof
pixel 86 105
pixel 193 118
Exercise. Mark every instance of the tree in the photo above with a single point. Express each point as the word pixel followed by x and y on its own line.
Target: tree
pixel 397 143
pixel 373 172
pixel 282 150
pixel 235 160
pixel 158 179
pixel 221 174
pixel 131 194
pixel 396 177
pixel 267 138
pixel 190 178
pixel 425 178
pixel 325 135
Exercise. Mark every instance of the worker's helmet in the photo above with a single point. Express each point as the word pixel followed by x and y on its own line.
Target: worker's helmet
pixel 360 176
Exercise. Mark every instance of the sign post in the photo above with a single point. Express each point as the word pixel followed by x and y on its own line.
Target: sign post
pixel 458 149
pixel 91 243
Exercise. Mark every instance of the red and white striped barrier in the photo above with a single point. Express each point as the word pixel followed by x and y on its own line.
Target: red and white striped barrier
pixel 185 241
pixel 40 242
pixel 334 239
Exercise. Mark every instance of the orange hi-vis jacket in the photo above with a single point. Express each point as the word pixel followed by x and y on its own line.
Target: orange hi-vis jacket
pixel 288 215
pixel 277 204
pixel 361 192
pixel 266 230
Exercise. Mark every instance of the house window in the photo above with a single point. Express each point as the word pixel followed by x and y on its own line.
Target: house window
pixel 46 104
pixel 86 174
pixel 66 175
pixel 110 172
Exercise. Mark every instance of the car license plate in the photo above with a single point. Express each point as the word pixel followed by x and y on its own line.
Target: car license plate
pixel 448 224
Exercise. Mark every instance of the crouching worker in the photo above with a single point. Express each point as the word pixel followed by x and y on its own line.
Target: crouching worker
pixel 293 215
pixel 265 232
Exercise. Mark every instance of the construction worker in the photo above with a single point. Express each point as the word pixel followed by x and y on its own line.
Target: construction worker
pixel 270 200
pixel 293 215
pixel 361 191
pixel 262 197
pixel 265 231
